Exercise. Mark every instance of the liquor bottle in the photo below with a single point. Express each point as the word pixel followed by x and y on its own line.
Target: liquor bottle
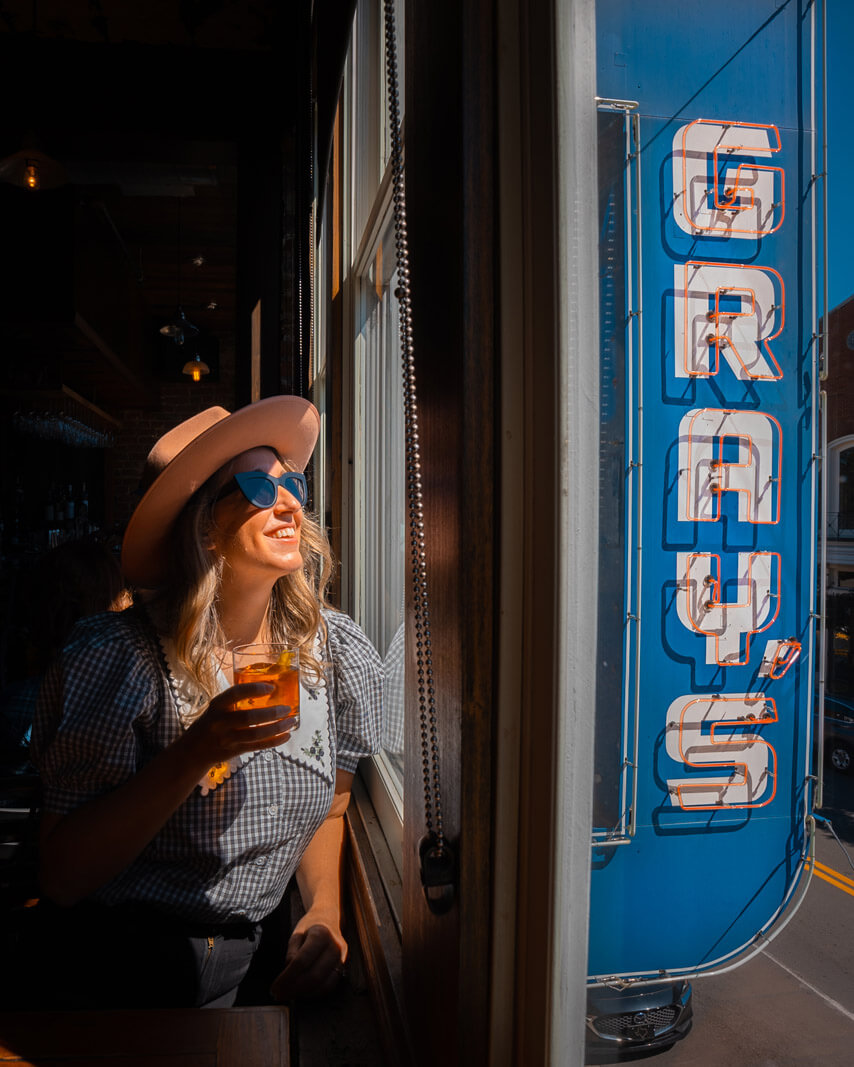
pixel 69 509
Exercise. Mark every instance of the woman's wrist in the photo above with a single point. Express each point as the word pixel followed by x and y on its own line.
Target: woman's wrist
pixel 321 915
pixel 196 750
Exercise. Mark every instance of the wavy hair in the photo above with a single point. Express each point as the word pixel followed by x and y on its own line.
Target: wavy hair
pixel 189 603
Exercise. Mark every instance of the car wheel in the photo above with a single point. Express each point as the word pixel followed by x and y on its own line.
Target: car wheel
pixel 840 758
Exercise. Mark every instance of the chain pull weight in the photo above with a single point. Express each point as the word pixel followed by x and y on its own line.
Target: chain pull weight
pixel 438 862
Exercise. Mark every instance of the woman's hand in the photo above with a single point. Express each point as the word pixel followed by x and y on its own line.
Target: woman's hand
pixel 228 728
pixel 314 962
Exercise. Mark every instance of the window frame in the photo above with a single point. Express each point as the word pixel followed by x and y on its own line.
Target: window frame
pixel 834 453
pixel 360 191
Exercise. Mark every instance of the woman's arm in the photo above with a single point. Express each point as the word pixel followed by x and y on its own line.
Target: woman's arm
pixel 317 949
pixel 89 846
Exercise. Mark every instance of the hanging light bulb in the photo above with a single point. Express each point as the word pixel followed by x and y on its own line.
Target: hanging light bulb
pixel 194 368
pixel 32 178
pixel 31 168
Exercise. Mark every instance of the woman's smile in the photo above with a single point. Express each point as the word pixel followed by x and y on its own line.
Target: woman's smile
pixel 284 533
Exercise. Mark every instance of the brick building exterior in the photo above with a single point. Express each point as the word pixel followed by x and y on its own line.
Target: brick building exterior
pixel 839 461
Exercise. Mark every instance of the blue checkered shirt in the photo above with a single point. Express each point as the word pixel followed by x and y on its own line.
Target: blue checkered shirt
pixel 109 705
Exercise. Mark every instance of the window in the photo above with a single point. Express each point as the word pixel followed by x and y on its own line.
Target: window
pixel 840 489
pixel 378 472
pixel 355 272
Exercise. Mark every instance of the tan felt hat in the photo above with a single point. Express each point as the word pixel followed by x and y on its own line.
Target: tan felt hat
pixel 185 457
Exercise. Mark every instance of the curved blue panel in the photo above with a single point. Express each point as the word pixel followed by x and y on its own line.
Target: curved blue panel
pixel 708 311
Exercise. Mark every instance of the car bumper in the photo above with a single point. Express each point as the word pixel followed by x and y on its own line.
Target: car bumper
pixel 640 1022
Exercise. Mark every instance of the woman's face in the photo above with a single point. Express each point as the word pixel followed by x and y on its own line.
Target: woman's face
pixel 257 544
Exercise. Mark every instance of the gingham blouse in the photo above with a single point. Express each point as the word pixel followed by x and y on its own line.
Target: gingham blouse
pixel 112 701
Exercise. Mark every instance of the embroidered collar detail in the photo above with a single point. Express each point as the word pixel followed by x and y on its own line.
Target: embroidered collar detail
pixel 309 746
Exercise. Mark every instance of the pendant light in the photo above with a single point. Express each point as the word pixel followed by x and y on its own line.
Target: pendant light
pixel 32 169
pixel 179 328
pixel 196 367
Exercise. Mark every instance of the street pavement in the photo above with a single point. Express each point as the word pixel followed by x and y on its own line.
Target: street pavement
pixel 793 1003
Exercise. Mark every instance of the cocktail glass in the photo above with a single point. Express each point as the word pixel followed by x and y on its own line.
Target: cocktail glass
pixel 277 664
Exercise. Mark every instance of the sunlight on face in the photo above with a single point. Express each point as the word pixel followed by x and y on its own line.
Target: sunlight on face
pixel 257 545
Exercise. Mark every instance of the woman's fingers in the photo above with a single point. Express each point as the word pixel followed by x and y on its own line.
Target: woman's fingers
pixel 244 691
pixel 246 731
pixel 231 730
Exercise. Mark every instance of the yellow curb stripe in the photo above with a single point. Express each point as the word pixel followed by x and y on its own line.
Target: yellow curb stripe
pixel 833 874
pixel 832 881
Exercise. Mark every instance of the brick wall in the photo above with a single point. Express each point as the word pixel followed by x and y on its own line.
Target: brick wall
pixel 141 427
pixel 840 381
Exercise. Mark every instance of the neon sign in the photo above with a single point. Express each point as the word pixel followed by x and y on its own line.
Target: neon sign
pixel 714 198
pixel 737 310
pixel 730 311
pixel 709 475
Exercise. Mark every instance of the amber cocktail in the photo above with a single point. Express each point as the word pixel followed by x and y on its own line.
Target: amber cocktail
pixel 279 666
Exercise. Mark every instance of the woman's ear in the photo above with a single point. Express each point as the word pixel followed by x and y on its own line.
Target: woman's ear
pixel 208 538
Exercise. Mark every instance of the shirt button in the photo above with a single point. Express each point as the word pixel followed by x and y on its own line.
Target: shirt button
pixel 261 861
pixel 268 756
pixel 273 810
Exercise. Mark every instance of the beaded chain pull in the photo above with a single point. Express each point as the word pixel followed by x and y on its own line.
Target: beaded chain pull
pixel 438 861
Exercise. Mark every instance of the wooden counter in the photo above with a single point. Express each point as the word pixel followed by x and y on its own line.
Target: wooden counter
pixel 227 1037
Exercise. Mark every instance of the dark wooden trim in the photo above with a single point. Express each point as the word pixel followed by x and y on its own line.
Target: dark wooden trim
pixel 450 141
pixel 539 726
pixel 435 215
pixel 220 1037
pixel 369 874
pixel 479 524
pixel 332 23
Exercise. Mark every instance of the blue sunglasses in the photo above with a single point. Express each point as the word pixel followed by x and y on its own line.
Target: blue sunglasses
pixel 262 489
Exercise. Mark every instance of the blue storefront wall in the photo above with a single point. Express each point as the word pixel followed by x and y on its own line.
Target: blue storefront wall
pixel 708 372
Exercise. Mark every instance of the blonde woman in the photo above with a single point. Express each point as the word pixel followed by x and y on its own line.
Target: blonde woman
pixel 173 821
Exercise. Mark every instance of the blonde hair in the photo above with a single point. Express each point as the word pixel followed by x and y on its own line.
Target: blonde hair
pixel 189 603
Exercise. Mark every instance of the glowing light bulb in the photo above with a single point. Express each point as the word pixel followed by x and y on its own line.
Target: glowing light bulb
pixel 194 368
pixel 32 179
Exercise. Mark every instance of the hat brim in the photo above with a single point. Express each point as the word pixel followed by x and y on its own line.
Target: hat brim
pixel 288 424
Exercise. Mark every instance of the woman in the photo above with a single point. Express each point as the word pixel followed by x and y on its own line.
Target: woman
pixel 160 870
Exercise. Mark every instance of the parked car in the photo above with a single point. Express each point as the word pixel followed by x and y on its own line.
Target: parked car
pixel 622 1022
pixel 839 732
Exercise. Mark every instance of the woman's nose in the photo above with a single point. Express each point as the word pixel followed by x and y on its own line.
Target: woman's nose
pixel 286 502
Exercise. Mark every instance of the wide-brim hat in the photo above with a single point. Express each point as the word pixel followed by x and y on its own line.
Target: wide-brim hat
pixel 185 457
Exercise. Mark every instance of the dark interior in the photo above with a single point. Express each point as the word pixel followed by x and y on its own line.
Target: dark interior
pixel 170 144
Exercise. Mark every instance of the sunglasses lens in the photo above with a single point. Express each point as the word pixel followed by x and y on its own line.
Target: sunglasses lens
pixel 295 485
pixel 262 490
pixel 258 488
pixel 264 493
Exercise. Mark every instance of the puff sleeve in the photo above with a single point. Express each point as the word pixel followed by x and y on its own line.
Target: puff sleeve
pixel 97 707
pixel 357 690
